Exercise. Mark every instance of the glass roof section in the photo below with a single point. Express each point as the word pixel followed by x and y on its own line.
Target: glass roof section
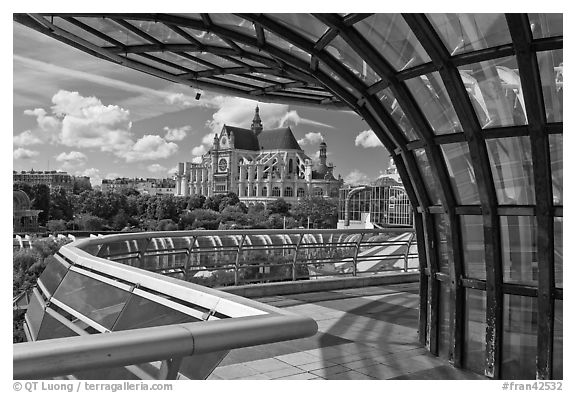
pixel 347 56
pixel 114 30
pixel 389 101
pixel 305 24
pixel 206 38
pixel 235 23
pixel 463 33
pixel 391 36
pixel 64 24
pixel 546 25
pixel 551 76
pixel 160 31
pixel 286 46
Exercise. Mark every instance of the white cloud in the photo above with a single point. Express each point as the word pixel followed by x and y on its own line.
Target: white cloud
pixel 367 139
pixel 311 138
pixel 197 160
pixel 356 177
pixel 294 117
pixel 173 170
pixel 208 139
pixel 156 168
pixel 24 154
pixel 199 150
pixel 26 138
pixel 93 174
pixel 74 157
pixel 150 147
pixel 177 134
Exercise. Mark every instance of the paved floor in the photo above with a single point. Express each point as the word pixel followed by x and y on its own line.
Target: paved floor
pixel 363 333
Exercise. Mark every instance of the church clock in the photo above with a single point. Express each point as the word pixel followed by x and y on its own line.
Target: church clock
pixel 222 165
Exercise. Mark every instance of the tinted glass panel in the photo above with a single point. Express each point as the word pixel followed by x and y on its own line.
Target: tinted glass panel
pixel 519 257
pixel 391 36
pixel 470 32
pixel 475 330
pixel 557 351
pixel 304 24
pixel 558 252
pixel 113 30
pixel 347 56
pixel 430 93
pixel 556 167
pixel 34 314
pixel 286 46
pixel 472 228
pixel 389 101
pixel 53 275
pixel 460 169
pixel 441 225
pixel 546 25
pixel 51 328
pixel 429 180
pixel 233 22
pixel 495 91
pixel 160 31
pixel 552 76
pixel 98 301
pixel 511 164
pixel 141 312
pixel 519 337
pixel 444 321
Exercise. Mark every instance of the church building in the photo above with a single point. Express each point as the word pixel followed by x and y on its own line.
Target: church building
pixel 259 166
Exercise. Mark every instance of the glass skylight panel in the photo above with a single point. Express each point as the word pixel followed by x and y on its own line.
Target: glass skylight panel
pixel 431 95
pixel 243 79
pixel 155 64
pixel 389 101
pixel 233 22
pixel 81 33
pixel 552 78
pixel 114 30
pixel 281 43
pixel 347 56
pixel 432 188
pixel 463 33
pixel 273 78
pixel 472 229
pixel 393 38
pixel 519 253
pixel 160 31
pixel 182 61
pixel 216 60
pixel 495 91
pixel 461 171
pixel 546 25
pixel 511 164
pixel 475 330
pixel 248 62
pixel 206 38
pixel 304 24
pixel 323 67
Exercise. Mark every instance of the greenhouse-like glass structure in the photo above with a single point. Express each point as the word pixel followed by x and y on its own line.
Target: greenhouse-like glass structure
pixel 468 105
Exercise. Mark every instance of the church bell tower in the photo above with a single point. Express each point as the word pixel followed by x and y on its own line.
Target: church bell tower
pixel 256 126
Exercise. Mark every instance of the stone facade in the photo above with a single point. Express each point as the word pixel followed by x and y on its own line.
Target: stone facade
pixel 259 166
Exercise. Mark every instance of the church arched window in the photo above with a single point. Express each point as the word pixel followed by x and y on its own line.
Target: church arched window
pixel 301 192
pixel 276 192
pixel 288 192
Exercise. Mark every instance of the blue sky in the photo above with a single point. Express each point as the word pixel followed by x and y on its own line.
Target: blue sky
pixel 87 116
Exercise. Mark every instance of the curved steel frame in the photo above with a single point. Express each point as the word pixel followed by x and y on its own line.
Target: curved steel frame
pixel 323 80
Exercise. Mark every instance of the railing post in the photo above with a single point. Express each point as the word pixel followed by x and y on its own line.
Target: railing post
pixel 237 262
pixel 408 252
pixel 188 258
pixel 142 251
pixel 296 256
pixel 354 266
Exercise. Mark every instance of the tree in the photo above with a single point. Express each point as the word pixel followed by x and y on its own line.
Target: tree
pixel 79 186
pixel 60 205
pixel 234 214
pixel 221 201
pixel 196 202
pixel 88 222
pixel 199 218
pixel 279 206
pixel 166 225
pixel 56 225
pixel 121 220
pixel 322 212
pixel 41 201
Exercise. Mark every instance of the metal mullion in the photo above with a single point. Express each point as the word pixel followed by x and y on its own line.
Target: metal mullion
pixel 198 60
pixel 166 63
pixel 519 26
pixel 94 32
pixel 491 53
pixel 486 190
pixel 423 291
pixel 546 44
pixel 351 19
pixel 127 25
pixel 184 34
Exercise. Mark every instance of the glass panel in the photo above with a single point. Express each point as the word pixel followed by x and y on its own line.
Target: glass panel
pixel 216 60
pixel 347 56
pixel 431 95
pixel 389 101
pixel 96 300
pixel 495 91
pixel 390 35
pixel 475 330
pixel 141 313
pixel 304 24
pixel 470 32
pixel 152 63
pixel 444 321
pixel 558 252
pixel 206 38
pixel 78 31
pixel 519 337
pixel 552 77
pixel 161 32
pixel 34 314
pixel 233 22
pixel 281 43
pixel 327 70
pixel 51 328
pixel 519 256
pixel 441 225
pixel 184 62
pixel 511 163
pixel 556 167
pixel 472 228
pixel 429 180
pixel 461 171
pixel 546 25
pixel 557 351
pixel 53 275
pixel 114 30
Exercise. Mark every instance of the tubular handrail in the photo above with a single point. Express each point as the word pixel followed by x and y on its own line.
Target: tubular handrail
pixel 64 356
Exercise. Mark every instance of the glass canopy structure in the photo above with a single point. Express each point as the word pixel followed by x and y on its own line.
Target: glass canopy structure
pixel 468 105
